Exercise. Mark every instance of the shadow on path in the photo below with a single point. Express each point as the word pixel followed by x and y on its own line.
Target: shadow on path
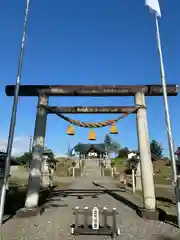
pixel 49 198
pixel 168 238
pixel 119 198
pixel 163 216
pixel 163 194
pixel 15 200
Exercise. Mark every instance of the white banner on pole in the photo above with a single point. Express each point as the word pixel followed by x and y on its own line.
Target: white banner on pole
pixel 154 6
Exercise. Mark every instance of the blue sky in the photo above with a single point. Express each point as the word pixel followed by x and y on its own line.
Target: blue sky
pixel 88 42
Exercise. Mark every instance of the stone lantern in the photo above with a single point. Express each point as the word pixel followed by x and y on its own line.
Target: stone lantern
pixel 177 153
pixel 112 164
pixel 73 163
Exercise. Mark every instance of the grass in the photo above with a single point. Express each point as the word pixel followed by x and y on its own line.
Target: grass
pixel 18 186
pixel 15 181
pixel 162 170
pixel 164 200
pixel 163 167
pixel 23 183
pixel 120 164
pixel 64 168
pixel 164 197
pixel 162 177
pixel 15 198
pixel 158 179
pixel 77 172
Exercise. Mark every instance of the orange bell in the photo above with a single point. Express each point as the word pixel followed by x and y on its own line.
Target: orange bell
pixel 113 129
pixel 92 135
pixel 70 130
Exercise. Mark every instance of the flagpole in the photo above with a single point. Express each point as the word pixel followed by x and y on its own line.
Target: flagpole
pixel 168 124
pixel 13 119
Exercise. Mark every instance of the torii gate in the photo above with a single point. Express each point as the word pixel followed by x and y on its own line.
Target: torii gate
pixel 43 92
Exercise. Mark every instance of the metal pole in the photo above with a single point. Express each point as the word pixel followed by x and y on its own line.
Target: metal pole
pixel 13 119
pixel 168 124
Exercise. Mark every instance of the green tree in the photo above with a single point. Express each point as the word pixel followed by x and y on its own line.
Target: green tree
pixel 123 153
pixel 107 140
pixel 131 163
pixel 110 145
pixel 156 149
pixel 107 143
pixel 114 147
pixel 25 158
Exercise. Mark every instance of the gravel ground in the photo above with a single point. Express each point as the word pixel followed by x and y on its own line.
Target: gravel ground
pixel 54 223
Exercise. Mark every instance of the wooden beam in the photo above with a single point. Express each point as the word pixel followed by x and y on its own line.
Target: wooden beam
pixel 93 109
pixel 101 90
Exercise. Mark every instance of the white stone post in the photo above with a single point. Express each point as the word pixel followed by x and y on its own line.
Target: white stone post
pixel 79 161
pixel 145 154
pixel 102 170
pixel 112 171
pixel 138 178
pixel 32 197
pixel 133 181
pixel 73 172
pixel 84 159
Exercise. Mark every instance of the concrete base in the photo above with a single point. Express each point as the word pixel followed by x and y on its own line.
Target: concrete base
pixel 29 212
pixel 148 214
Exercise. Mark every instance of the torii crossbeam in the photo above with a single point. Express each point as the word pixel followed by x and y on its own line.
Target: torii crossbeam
pixel 92 90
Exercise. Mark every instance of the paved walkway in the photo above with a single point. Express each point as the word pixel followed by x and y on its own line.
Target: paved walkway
pixel 54 223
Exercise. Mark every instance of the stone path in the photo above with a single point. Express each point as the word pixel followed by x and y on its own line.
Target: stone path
pixel 54 223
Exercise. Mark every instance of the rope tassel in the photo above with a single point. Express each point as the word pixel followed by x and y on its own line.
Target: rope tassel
pixel 89 124
pixel 92 124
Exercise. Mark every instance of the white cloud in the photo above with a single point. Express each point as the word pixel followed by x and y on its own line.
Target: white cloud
pixel 20 145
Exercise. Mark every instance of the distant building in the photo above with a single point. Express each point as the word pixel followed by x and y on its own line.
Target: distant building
pixel 91 150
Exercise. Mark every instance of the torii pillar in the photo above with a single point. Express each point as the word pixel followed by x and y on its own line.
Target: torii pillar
pixel 148 190
pixel 32 197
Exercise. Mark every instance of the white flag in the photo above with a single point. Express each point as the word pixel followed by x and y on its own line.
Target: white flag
pixel 154 6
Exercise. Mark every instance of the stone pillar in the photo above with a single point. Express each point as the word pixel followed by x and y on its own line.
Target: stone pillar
pixel 145 154
pixel 32 197
pixel 45 172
